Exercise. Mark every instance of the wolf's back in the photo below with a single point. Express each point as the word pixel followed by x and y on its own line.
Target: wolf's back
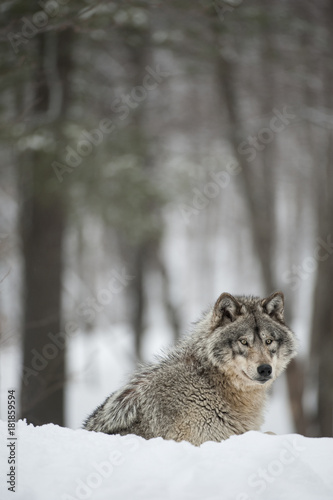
pixel 121 412
pixel 118 412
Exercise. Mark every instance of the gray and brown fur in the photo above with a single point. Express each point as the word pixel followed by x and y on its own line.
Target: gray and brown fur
pixel 208 388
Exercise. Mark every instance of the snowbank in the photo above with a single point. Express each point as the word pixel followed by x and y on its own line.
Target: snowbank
pixel 63 464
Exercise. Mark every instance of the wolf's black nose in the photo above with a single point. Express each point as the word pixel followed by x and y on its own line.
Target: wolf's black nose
pixel 264 370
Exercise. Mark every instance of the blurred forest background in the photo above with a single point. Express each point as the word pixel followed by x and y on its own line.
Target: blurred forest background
pixel 153 155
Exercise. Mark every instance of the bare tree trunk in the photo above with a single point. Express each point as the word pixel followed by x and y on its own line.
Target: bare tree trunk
pixel 42 388
pixel 172 313
pixel 322 324
pixel 42 227
pixel 138 294
pixel 144 254
pixel 322 330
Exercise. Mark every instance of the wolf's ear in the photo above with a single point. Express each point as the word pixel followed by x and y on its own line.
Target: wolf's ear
pixel 274 306
pixel 225 311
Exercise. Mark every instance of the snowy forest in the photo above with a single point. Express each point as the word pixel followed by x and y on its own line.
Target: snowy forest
pixel 154 155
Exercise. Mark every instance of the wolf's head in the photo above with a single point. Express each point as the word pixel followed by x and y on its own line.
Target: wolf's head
pixel 248 338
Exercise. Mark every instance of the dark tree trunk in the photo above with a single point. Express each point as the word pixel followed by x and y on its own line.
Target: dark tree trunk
pixel 43 224
pixel 42 228
pixel 139 251
pixel 171 310
pixel 138 294
pixel 322 332
pixel 322 324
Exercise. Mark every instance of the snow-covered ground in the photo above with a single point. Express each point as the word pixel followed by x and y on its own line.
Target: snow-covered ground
pixel 54 463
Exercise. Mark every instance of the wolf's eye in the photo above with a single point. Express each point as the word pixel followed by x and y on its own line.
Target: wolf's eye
pixel 268 341
pixel 244 342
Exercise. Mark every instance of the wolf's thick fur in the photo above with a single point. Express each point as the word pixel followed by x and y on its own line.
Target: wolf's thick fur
pixel 209 387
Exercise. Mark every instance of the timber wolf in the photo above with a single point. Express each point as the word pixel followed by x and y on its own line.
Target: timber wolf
pixel 211 385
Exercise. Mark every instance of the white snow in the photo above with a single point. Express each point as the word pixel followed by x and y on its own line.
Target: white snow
pixel 62 464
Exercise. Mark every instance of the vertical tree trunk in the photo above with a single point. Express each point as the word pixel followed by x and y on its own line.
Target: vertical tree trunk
pixel 322 324
pixel 42 227
pixel 138 294
pixel 43 224
pixel 140 250
pixel 171 310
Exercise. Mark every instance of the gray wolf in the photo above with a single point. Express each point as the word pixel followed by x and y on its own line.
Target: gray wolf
pixel 213 384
